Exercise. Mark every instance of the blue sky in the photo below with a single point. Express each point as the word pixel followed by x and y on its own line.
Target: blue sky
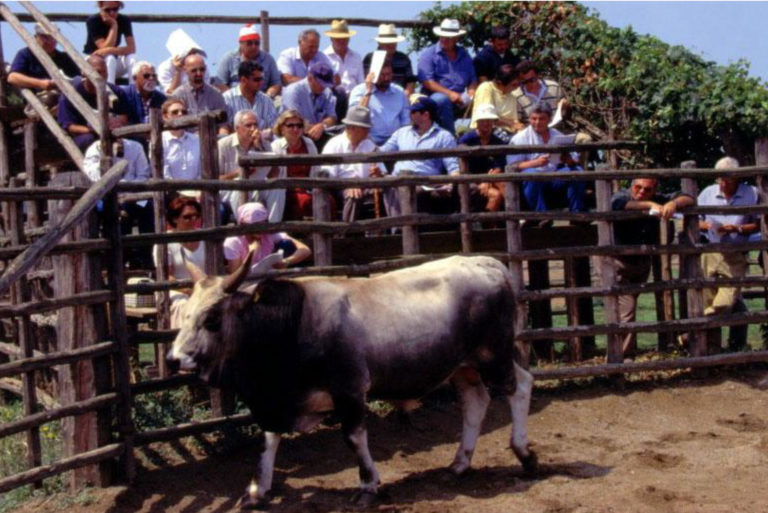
pixel 720 31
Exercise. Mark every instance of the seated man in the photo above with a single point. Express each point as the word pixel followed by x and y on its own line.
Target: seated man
pixel 247 140
pixel 143 94
pixel 386 101
pixel 534 91
pixel 493 55
pixel 423 134
pixel 634 269
pixel 105 32
pixel 294 63
pixel 485 196
pixel 171 74
pixel 247 95
pixel 402 70
pixel 541 195
pixel 74 122
pixel 354 139
pixel 727 229
pixel 249 50
pixel 197 95
pixel 313 99
pixel 447 74
pixel 181 149
pixel 499 93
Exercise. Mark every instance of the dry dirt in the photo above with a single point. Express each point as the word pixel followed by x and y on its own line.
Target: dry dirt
pixel 676 445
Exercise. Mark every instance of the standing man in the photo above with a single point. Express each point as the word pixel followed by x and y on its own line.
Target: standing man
pixel 446 72
pixel 493 55
pixel 402 69
pixel 727 229
pixel 247 95
pixel 423 134
pixel 249 50
pixel 313 99
pixel 347 64
pixel 247 140
pixel 26 70
pixel 387 102
pixel 635 269
pixel 354 139
pixel 142 94
pixel 294 63
pixel 196 94
pixel 105 32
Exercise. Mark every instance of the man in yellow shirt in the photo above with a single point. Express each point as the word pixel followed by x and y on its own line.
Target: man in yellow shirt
pixel 498 92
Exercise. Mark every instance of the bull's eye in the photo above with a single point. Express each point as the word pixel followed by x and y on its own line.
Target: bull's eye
pixel 212 321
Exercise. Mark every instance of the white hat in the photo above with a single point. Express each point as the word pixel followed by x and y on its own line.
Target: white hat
pixel 248 33
pixel 387 34
pixel 486 111
pixel 449 28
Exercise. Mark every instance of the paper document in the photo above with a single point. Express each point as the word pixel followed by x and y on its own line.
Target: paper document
pixel 179 44
pixel 377 61
pixel 559 140
pixel 558 115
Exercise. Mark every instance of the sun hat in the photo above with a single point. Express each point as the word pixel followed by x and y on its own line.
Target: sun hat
pixel 358 115
pixel 387 34
pixel 253 212
pixel 323 73
pixel 486 111
pixel 248 33
pixel 423 103
pixel 340 29
pixel 40 30
pixel 449 28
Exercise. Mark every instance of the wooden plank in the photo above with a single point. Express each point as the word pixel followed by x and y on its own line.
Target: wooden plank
pixel 691 268
pixel 264 20
pixel 192 428
pixel 513 237
pixel 322 245
pixel 5 164
pixel 761 159
pixel 407 198
pixel 465 227
pixel 34 214
pixel 188 121
pixel 209 165
pixel 603 192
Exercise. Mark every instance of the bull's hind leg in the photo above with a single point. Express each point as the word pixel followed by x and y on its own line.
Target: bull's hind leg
pixel 520 403
pixel 474 402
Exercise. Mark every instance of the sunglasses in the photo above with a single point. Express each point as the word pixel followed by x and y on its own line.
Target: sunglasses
pixel 258 79
pixel 111 10
pixel 147 76
pixel 178 112
pixel 251 43
pixel 293 125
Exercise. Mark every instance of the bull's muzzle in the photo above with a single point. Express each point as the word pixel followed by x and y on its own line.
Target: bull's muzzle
pixel 173 363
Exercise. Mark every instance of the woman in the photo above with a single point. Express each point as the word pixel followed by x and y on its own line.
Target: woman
pixel 289 128
pixel 262 244
pixel 183 214
pixel 105 31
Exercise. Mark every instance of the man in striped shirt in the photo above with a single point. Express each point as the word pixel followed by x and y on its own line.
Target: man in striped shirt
pixel 247 95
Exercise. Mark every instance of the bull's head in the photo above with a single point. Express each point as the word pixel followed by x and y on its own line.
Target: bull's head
pixel 199 345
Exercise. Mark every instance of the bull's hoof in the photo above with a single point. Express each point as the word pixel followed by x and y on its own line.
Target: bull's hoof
pixel 459 468
pixel 365 499
pixel 530 464
pixel 248 502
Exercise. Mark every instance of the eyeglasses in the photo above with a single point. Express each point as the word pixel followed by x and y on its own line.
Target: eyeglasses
pixel 178 112
pixel 111 10
pixel 260 78
pixel 294 125
pixel 249 125
pixel 250 43
pixel 147 76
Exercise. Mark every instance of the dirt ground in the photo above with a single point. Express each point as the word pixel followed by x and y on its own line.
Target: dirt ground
pixel 674 445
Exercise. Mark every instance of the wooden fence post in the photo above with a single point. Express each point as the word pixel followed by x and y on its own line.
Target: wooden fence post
pixel 321 212
pixel 5 165
pixel 30 169
pixel 514 247
pixel 761 159
pixel 465 226
pixel 81 326
pixel 407 196
pixel 264 18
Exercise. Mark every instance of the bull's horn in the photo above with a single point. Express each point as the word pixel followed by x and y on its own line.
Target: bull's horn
pixel 194 271
pixel 234 280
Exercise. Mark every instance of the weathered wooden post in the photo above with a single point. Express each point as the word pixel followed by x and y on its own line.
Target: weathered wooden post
pixel 603 192
pixel 407 197
pixel 30 169
pixel 77 327
pixel 466 226
pixel 514 247
pixel 321 212
pixel 761 160
pixel 264 19
pixel 5 165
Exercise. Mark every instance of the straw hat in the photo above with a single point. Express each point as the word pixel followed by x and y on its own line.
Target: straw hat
pixel 340 29
pixel 387 34
pixel 449 28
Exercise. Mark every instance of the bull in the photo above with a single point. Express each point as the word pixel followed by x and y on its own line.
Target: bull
pixel 295 350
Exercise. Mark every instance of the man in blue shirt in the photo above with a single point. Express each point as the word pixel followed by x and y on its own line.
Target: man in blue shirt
pixel 446 72
pixel 423 134
pixel 26 70
pixel 493 55
pixel 386 101
pixel 313 99
pixel 142 94
pixel 249 50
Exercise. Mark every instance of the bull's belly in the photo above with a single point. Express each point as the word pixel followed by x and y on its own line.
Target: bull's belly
pixel 404 378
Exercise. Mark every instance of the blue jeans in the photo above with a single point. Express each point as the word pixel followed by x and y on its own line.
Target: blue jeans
pixel 541 196
pixel 445 117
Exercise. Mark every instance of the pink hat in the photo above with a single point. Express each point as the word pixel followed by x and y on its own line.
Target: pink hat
pixel 249 213
pixel 248 33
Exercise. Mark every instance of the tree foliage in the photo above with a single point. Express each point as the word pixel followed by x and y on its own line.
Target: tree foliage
pixel 631 86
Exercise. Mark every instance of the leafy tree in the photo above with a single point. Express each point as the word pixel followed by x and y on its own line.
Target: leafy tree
pixel 627 85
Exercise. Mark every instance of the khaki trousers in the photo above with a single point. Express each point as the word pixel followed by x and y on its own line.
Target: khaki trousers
pixel 630 271
pixel 724 265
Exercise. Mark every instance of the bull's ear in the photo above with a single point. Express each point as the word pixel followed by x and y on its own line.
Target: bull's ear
pixel 194 271
pixel 234 280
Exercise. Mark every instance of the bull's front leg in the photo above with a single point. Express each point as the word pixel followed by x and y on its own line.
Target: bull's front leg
pixel 351 411
pixel 258 492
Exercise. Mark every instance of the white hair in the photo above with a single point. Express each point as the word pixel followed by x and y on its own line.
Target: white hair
pixel 241 114
pixel 141 64
pixel 727 163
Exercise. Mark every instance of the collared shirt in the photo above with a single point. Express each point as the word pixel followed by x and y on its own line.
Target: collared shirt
pixel 341 144
pixel 262 106
pixel 289 61
pixel 550 93
pixel 200 100
pixel 530 137
pixel 27 64
pixel 181 156
pixel 226 72
pixel 642 230
pixel 389 110
pixel 402 69
pixel 139 112
pixel 745 196
pixel 349 69
pixel 505 103
pixel 230 152
pixel 407 138
pixel 455 75
pixel 313 107
pixel 133 153
pixel 487 61
pixel 481 165
pixel 69 115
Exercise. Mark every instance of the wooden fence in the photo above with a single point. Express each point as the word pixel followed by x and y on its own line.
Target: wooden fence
pixel 92 357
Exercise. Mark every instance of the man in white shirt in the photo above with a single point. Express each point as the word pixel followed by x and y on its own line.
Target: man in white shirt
pixel 181 149
pixel 347 64
pixel 294 63
pixel 354 139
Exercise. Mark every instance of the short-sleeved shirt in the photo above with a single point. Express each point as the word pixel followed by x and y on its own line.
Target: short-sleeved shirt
pixel 341 144
pixel 289 61
pixel 200 100
pixel 389 110
pixel 455 75
pixel 313 107
pixel 402 69
pixel 528 136
pixel 349 69
pixel 226 72
pixel 97 29
pixel 745 196
pixel 550 93
pixel 27 64
pixel 488 93
pixel 262 106
pixel 408 139
pixel 236 248
pixel 69 115
pixel 642 230
pixel 487 61
pixel 481 165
